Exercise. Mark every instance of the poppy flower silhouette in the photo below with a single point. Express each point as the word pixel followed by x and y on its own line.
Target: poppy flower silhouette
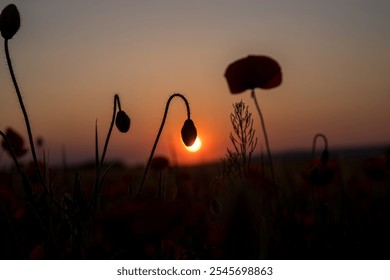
pixel 255 71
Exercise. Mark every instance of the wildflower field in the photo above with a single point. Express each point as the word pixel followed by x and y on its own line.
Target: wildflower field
pixel 319 204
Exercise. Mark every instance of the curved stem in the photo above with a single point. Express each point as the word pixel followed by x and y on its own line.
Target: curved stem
pixel 159 133
pixel 99 163
pixel 25 115
pixel 116 101
pixel 265 136
pixel 315 142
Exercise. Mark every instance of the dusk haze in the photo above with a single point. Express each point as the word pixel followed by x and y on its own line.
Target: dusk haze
pixel 195 130
pixel 71 57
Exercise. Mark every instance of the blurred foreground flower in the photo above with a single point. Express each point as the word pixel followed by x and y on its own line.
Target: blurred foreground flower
pixel 320 174
pixel 16 142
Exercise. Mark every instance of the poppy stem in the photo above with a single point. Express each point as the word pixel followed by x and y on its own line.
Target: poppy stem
pixel 116 101
pixel 159 133
pixel 315 142
pixel 25 115
pixel 99 163
pixel 265 136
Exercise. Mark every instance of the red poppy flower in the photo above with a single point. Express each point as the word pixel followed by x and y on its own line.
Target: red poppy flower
pixel 253 71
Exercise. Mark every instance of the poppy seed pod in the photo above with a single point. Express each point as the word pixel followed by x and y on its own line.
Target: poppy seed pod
pixel 9 21
pixel 188 133
pixel 122 121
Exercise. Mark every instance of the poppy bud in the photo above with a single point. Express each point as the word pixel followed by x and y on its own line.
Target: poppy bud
pixel 122 121
pixel 9 21
pixel 188 133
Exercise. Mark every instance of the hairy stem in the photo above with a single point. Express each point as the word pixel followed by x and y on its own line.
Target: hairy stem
pixel 159 133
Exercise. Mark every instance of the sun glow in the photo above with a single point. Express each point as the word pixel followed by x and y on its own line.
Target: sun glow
pixel 196 146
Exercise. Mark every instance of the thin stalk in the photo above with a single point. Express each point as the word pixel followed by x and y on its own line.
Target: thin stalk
pixel 159 133
pixel 25 115
pixel 265 136
pixel 315 142
pixel 99 163
pixel 116 101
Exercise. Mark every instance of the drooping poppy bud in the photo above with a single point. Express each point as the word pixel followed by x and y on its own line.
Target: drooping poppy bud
pixel 9 21
pixel 122 121
pixel 188 133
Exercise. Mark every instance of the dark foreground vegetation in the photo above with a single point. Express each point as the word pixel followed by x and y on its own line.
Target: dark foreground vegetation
pixel 194 213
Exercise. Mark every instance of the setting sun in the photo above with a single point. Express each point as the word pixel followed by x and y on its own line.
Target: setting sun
pixel 196 146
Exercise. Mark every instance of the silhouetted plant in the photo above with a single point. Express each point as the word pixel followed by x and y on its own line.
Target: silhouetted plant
pixel 122 122
pixel 15 141
pixel 243 140
pixel 6 144
pixel 321 171
pixel 9 21
pixel 9 25
pixel 188 133
pixel 255 72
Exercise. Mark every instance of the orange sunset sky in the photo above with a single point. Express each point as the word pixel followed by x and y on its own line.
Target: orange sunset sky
pixel 71 57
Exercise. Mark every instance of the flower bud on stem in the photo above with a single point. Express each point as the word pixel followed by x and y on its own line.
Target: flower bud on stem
pixel 188 133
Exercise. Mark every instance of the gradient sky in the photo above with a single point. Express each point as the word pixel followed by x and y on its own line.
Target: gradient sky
pixel 70 57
